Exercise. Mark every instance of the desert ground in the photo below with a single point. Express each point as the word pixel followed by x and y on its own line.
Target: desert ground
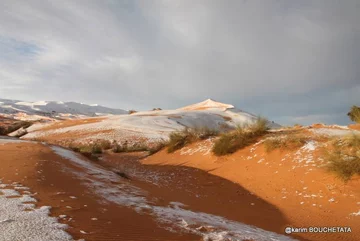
pixel 56 184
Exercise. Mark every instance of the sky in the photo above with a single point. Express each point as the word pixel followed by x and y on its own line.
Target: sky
pixel 290 61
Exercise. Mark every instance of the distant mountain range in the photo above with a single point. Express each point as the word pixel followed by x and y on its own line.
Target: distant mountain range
pixel 54 109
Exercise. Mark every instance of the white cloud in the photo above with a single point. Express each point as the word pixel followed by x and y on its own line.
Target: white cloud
pixel 141 54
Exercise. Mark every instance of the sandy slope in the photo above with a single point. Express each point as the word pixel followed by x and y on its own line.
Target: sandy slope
pixel 293 181
pixel 90 217
pixel 97 204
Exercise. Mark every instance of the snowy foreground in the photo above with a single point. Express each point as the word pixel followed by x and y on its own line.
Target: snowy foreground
pixel 21 221
pixel 173 217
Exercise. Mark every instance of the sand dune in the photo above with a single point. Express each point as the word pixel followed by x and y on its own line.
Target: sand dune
pixel 94 201
pixel 191 194
pixel 293 181
pixel 150 126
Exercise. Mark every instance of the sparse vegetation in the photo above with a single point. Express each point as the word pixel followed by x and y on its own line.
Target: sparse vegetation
pixel 104 144
pixel 243 136
pixel 117 148
pixel 90 151
pixel 5 130
pixel 290 141
pixel 178 140
pixel 344 159
pixel 157 147
pixel 93 148
pixel 132 111
pixel 354 114
pixel 151 148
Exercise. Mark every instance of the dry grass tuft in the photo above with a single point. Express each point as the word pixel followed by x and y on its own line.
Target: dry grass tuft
pixel 288 142
pixel 178 140
pixel 344 159
pixel 243 136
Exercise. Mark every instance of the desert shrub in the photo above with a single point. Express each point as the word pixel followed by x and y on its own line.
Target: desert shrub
pixel 204 133
pixel 259 127
pixel 5 130
pixel 104 144
pixel 137 147
pixel 96 149
pixel 74 148
pixel 290 141
pixel 354 114
pixel 118 148
pixel 132 111
pixel 178 140
pixel 243 136
pixel 90 151
pixel 157 147
pixel 344 159
pixel 86 148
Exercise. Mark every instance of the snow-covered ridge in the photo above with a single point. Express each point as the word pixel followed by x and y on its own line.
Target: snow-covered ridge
pixel 55 108
pixel 153 125
pixel 208 104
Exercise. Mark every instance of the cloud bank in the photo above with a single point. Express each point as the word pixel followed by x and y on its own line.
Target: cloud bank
pixel 292 61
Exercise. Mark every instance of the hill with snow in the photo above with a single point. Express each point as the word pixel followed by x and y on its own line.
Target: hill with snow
pixel 53 109
pixel 207 105
pixel 149 126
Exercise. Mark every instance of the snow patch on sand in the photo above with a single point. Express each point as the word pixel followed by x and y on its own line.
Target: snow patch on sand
pixel 355 214
pixel 334 132
pixel 212 227
pixel 20 221
pixel 174 217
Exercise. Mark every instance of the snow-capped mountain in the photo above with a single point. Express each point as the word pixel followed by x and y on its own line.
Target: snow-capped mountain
pixel 54 109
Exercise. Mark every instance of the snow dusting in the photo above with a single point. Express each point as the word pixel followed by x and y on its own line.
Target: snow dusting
pixel 114 189
pixel 22 221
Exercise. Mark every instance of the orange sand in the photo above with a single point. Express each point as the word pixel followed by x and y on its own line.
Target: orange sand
pixel 273 180
pixel 37 167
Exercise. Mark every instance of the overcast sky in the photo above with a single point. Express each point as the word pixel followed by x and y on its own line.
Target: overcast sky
pixel 291 61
